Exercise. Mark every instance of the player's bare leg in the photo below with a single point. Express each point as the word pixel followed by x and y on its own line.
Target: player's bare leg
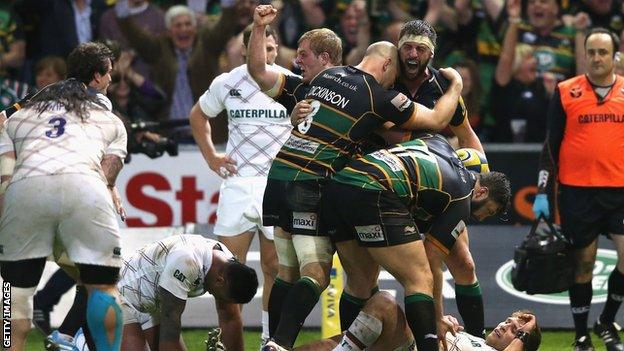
pixel 409 265
pixel 467 289
pixel 361 273
pixel 270 266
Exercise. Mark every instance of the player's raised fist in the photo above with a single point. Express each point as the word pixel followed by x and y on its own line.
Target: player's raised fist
pixel 264 15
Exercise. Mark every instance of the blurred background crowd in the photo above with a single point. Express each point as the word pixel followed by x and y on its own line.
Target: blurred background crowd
pixel 510 53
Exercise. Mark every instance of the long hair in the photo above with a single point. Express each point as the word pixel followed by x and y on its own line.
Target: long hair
pixel 70 94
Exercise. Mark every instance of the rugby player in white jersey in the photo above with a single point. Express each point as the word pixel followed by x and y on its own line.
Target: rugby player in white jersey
pixel 381 326
pixel 258 126
pixel 157 280
pixel 60 156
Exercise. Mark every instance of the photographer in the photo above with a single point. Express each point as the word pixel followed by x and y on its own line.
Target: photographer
pixel 135 100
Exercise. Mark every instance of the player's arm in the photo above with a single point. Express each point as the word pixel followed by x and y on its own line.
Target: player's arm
pixel 231 324
pixel 437 118
pixel 7 165
pixel 528 327
pixel 256 53
pixel 111 166
pixel 466 136
pixel 171 309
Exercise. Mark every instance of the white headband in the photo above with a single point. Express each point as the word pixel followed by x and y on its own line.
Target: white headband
pixel 418 39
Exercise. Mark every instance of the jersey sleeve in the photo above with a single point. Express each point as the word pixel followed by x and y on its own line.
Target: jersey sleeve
pixel 178 275
pixel 287 94
pixel 556 122
pixel 461 113
pixel 447 227
pixel 211 102
pixel 393 106
pixel 119 142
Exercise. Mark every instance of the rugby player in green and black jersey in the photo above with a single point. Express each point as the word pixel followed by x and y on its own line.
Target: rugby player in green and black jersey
pixel 348 103
pixel 386 199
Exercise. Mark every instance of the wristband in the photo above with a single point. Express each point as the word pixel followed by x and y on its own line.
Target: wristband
pixel 522 335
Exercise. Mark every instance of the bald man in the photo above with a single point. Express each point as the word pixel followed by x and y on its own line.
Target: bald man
pixel 344 106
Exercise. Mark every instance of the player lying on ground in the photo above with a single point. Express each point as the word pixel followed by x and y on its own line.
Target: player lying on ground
pixel 382 326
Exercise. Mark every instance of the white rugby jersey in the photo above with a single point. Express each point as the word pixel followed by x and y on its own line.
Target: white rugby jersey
pixel 57 142
pixel 178 263
pixel 257 125
pixel 466 342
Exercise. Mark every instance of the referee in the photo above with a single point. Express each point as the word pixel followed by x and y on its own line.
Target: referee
pixel 585 134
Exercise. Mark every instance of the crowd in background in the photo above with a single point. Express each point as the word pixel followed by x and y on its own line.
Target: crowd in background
pixel 510 53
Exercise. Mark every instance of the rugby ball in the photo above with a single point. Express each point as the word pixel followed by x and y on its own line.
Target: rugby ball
pixel 473 159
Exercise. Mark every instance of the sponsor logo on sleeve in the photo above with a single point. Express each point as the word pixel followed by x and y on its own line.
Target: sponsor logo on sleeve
pixel 459 228
pixel 370 233
pixel 179 275
pixel 304 220
pixel 401 102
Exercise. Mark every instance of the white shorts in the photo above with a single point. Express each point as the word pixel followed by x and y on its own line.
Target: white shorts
pixel 132 315
pixel 240 207
pixel 75 210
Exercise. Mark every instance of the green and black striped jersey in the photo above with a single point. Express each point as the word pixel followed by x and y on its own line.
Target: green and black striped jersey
pixel 425 173
pixel 348 105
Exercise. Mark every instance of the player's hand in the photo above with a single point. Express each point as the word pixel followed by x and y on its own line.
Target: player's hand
pixel 540 206
pixel 118 203
pixel 453 76
pixel 223 165
pixel 514 8
pixel 447 324
pixel 299 113
pixel 530 322
pixel 264 15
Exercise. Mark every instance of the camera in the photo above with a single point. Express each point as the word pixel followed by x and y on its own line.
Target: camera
pixel 153 145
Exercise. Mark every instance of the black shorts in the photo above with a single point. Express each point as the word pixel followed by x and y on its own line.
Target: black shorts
pixel 293 205
pixel 588 212
pixel 376 218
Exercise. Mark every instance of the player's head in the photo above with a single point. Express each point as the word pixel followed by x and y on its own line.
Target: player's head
pixel 181 26
pixel 601 50
pixel 48 70
pixel 491 195
pixel 239 283
pixel 384 56
pixel 271 43
pixel 70 94
pixel 505 332
pixel 417 42
pixel 317 50
pixel 91 63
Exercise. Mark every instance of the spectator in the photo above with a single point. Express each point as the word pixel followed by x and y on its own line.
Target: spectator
pixel 471 91
pixel 184 61
pixel 12 43
pixel 80 19
pixel 519 99
pixel 354 29
pixel 147 16
pixel 553 41
pixel 48 70
pixel 602 13
pixel 297 17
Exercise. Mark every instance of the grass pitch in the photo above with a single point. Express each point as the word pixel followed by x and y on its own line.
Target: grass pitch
pixel 194 339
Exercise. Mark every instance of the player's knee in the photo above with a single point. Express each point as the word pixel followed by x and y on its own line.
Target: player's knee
pixel 382 302
pixel 584 270
pixel 316 273
pixel 359 284
pixel 465 271
pixel 286 255
pixel 105 321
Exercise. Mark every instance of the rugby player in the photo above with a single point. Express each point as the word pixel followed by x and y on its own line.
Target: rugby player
pixel 63 137
pixel 385 199
pixel 258 127
pixel 157 280
pixel 381 326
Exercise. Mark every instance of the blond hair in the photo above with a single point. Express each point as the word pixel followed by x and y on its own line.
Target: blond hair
pixel 521 52
pixel 324 40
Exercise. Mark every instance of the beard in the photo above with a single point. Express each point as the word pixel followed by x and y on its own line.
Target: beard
pixel 409 73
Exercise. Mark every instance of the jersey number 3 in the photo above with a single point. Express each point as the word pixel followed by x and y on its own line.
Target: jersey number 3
pixel 58 127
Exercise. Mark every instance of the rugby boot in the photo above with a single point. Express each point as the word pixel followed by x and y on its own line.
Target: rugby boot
pixel 609 333
pixel 59 342
pixel 583 344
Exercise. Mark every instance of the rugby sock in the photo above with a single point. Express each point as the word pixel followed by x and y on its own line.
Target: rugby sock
pixel 98 307
pixel 265 325
pixel 76 316
pixel 420 314
pixel 279 291
pixel 580 299
pixel 470 306
pixel 58 284
pixel 362 333
pixel 299 303
pixel 615 297
pixel 350 306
